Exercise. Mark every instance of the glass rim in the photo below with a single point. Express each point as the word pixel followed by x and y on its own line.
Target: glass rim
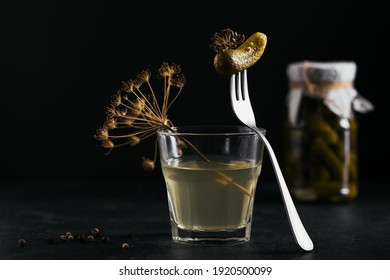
pixel 209 130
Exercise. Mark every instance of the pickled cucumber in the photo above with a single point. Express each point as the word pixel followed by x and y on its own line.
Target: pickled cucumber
pixel 332 161
pixel 323 129
pixel 232 61
pixel 320 155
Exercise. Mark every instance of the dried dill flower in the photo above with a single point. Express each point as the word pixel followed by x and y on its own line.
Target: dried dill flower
pixel 137 112
pixel 148 164
pixel 227 39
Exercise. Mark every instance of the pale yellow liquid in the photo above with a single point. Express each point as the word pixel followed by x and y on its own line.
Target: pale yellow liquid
pixel 202 196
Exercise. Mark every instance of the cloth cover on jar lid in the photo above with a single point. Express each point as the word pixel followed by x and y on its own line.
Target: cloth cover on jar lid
pixel 330 81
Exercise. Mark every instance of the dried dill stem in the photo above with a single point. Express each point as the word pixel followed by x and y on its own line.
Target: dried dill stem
pixel 136 112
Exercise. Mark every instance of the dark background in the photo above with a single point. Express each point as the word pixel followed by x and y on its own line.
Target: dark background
pixel 62 60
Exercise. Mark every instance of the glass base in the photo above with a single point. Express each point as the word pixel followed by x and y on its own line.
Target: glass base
pixel 211 237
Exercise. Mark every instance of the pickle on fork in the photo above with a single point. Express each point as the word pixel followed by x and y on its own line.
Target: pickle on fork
pixel 228 60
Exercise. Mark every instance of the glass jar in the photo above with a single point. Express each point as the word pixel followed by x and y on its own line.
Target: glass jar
pixel 321 159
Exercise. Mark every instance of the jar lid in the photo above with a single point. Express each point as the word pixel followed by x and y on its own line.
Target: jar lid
pixel 332 82
pixel 320 72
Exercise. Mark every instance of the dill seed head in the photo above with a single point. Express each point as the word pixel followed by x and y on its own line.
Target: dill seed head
pixel 110 123
pixel 134 140
pixel 148 164
pixel 101 134
pixel 136 112
pixel 227 39
pixel 108 144
pixel 116 99
pixel 144 75
pixel 22 242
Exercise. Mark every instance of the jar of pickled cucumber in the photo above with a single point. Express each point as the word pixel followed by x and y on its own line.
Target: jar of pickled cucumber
pixel 321 159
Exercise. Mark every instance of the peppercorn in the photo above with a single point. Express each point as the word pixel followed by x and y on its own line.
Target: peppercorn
pixel 95 232
pixel 22 243
pixel 125 246
pixel 70 237
pixel 63 237
pixel 81 238
pixel 90 238
pixel 106 239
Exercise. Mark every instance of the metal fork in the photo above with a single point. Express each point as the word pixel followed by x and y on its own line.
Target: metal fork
pixel 242 107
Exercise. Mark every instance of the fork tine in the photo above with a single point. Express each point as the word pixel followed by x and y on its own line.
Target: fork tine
pixel 244 86
pixel 238 87
pixel 239 96
pixel 233 91
pixel 239 83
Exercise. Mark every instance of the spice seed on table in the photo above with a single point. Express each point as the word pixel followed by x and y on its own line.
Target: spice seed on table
pixel 95 232
pixel 106 239
pixel 22 243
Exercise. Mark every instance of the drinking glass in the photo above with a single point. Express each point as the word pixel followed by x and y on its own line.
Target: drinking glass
pixel 211 174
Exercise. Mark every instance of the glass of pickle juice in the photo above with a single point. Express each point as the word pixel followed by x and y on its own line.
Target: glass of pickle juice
pixel 211 174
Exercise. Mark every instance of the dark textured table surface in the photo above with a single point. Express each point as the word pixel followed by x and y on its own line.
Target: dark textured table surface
pixel 359 229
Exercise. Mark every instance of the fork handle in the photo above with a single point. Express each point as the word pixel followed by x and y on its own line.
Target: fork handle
pixel 299 231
